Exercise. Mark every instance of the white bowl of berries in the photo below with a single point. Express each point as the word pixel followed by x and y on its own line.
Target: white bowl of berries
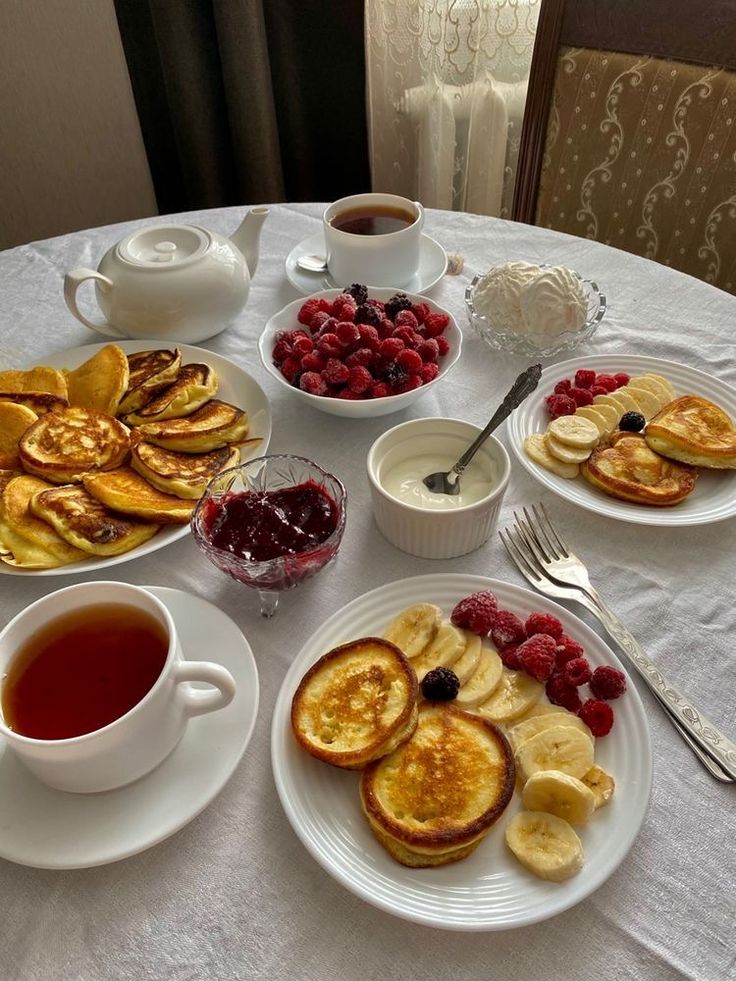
pixel 360 352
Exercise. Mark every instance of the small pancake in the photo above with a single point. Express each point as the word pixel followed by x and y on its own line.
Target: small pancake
pixel 38 402
pixel 148 373
pixel 125 491
pixel 693 430
pixel 63 445
pixel 100 382
pixel 214 425
pixel 14 420
pixel 85 523
pixel 628 469
pixel 26 542
pixel 38 379
pixel 196 384
pixel 182 474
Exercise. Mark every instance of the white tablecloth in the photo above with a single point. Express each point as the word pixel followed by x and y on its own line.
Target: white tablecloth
pixel 234 894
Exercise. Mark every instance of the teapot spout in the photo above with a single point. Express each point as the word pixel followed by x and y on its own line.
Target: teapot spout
pixel 247 236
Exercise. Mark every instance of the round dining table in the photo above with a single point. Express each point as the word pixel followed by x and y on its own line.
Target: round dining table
pixel 234 893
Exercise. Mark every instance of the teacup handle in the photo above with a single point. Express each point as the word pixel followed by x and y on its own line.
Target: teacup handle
pixel 197 702
pixel 72 281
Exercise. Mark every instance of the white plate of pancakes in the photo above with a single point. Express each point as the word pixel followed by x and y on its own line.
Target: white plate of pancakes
pixel 714 496
pixel 235 386
pixel 488 890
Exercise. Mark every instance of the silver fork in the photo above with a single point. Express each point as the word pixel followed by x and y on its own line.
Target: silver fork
pixel 544 559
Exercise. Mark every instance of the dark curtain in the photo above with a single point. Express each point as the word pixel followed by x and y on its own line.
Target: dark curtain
pixel 246 101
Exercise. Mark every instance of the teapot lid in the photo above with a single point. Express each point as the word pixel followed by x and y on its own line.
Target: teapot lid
pixel 164 245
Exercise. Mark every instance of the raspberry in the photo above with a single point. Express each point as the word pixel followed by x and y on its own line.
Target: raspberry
pixel 343 310
pixel 329 345
pixel 397 303
pixel 607 381
pixel 429 372
pixel 390 347
pixel 577 671
pixel 363 356
pixel 409 361
pixel 435 323
pixel 622 378
pixel 407 384
pixel 281 351
pixel 368 336
pixel 608 682
pixel 543 623
pixel 476 612
pixel 429 350
pixel 348 333
pixel 598 390
pixel 443 344
pixel 560 405
pixel 598 716
pixel 291 369
pixel 348 395
pixel 313 362
pixel 507 629
pixel 360 380
pixel 537 656
pixel 358 292
pixel 567 649
pixel 510 657
pixel 385 328
pixel 584 378
pixel 561 692
pixel 421 311
pixel 335 372
pixel 410 337
pixel 302 346
pixel 318 321
pixel 581 396
pixel 440 684
pixel 307 311
pixel 379 391
pixel 563 387
pixel 326 326
pixel 313 383
pixel 405 318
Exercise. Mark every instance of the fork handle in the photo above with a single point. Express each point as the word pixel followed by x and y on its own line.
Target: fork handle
pixel 703 737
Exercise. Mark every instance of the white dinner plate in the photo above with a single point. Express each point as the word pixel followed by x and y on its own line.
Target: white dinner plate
pixel 714 496
pixel 51 829
pixel 489 890
pixel 432 267
pixel 235 386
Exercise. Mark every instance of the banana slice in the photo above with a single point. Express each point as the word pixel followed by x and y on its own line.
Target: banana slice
pixel 575 431
pixel 442 652
pixel 650 384
pixel 601 783
pixel 483 681
pixel 665 384
pixel 541 708
pixel 515 694
pixel 536 449
pixel 558 793
pixel 615 400
pixel 565 453
pixel 414 628
pixel 521 731
pixel 648 403
pixel 603 418
pixel 557 748
pixel 468 660
pixel 545 844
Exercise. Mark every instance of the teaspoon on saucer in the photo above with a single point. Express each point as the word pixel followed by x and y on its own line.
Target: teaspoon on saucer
pixel 312 263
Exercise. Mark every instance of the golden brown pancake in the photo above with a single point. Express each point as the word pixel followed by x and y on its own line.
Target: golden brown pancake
pixel 628 469
pixel 63 445
pixel 196 384
pixel 38 379
pixel 82 521
pixel 100 382
pixel 38 402
pixel 434 798
pixel 148 373
pixel 14 420
pixel 214 425
pixel 126 491
pixel 181 474
pixel 693 430
pixel 26 542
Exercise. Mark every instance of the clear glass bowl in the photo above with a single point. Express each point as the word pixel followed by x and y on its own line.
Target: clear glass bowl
pixel 269 473
pixel 537 344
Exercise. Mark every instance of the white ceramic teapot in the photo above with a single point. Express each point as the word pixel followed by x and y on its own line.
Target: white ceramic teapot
pixel 177 282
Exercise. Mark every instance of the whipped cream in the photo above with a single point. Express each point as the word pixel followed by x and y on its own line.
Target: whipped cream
pixel 522 298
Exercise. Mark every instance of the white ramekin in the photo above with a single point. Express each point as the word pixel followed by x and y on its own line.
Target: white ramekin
pixel 426 533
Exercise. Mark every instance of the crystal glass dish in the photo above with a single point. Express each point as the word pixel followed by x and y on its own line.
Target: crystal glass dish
pixel 540 345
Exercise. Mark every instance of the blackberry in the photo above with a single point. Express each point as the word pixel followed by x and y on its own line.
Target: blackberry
pixel 400 301
pixel 440 685
pixel 632 422
pixel 394 373
pixel 358 292
pixel 367 314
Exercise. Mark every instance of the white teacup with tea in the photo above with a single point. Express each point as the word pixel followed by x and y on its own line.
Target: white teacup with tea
pixel 94 688
pixel 373 239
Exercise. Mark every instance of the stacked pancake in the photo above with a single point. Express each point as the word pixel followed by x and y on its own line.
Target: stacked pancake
pixel 95 460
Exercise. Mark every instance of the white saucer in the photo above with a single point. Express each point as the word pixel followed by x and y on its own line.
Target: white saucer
pixel 50 829
pixel 432 267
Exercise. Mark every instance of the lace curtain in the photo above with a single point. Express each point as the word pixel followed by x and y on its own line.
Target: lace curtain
pixel 447 84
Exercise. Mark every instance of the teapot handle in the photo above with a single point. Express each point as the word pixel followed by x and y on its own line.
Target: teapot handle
pixel 72 281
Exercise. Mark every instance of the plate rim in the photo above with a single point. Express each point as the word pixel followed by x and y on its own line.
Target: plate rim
pixel 609 508
pixel 176 533
pixel 280 729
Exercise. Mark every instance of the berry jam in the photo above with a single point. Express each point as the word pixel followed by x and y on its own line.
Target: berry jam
pixel 262 525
